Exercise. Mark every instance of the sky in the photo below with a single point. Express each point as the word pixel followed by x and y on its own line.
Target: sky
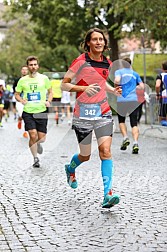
pixel 81 2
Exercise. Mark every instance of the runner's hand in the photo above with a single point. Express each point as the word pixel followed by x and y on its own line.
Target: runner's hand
pixel 47 104
pixel 24 101
pixel 118 91
pixel 92 89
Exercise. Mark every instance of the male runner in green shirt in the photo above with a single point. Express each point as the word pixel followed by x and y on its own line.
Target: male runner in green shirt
pixel 34 87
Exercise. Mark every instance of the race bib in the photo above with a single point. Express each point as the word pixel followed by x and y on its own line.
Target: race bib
pixel 34 97
pixel 90 111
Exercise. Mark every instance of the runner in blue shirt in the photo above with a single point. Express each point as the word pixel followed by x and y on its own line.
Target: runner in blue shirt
pixel 127 103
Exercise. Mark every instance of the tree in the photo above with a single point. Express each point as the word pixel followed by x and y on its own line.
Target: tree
pixel 58 26
pixel 21 41
pixel 61 24
pixel 57 21
pixel 142 17
pixel 149 17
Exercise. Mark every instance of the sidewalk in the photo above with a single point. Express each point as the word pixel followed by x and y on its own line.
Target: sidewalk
pixel 148 130
pixel 39 212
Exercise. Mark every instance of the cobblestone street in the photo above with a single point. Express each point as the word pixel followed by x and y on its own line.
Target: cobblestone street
pixel 39 212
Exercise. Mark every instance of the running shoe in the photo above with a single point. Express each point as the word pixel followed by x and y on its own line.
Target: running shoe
pixel 135 149
pixel 62 117
pixel 36 162
pixel 39 148
pixel 110 200
pixel 1 126
pixel 125 143
pixel 25 134
pixel 71 179
pixel 19 124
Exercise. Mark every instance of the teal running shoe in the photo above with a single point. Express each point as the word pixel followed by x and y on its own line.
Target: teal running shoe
pixel 110 200
pixel 71 179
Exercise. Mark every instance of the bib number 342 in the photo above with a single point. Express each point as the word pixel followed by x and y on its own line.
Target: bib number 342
pixel 90 111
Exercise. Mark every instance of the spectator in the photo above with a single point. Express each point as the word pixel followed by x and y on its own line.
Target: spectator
pixel 2 89
pixel 161 94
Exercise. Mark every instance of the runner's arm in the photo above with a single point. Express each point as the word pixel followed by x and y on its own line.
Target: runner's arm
pixel 157 86
pixel 19 98
pixel 66 85
pixel 50 97
pixel 117 90
pixel 117 80
pixel 140 86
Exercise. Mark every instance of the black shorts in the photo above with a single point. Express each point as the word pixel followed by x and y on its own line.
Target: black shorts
pixel 84 135
pixel 14 104
pixel 162 109
pixel 56 102
pixel 6 105
pixel 128 108
pixel 36 121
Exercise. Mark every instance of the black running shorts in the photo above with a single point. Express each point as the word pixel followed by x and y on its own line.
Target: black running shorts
pixel 36 121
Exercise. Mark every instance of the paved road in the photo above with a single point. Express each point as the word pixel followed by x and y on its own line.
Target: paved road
pixel 39 212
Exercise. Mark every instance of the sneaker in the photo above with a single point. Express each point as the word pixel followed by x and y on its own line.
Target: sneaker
pixel 135 149
pixel 62 117
pixel 71 179
pixel 25 134
pixel 1 126
pixel 19 124
pixel 36 162
pixel 39 148
pixel 110 200
pixel 125 143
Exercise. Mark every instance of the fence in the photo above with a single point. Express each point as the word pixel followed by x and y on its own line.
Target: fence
pixel 152 113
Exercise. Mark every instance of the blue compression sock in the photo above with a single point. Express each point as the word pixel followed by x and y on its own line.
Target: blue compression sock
pixel 106 171
pixel 75 162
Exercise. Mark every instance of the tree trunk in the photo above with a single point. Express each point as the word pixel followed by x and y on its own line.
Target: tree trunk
pixel 113 44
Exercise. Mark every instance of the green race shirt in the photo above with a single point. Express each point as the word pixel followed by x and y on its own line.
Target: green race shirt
pixel 34 90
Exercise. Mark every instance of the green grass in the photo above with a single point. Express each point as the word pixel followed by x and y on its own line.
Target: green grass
pixel 153 66
pixel 153 62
